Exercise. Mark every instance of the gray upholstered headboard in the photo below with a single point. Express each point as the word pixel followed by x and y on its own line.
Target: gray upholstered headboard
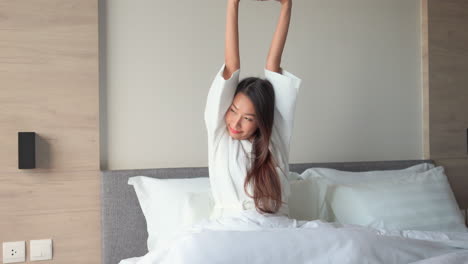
pixel 124 232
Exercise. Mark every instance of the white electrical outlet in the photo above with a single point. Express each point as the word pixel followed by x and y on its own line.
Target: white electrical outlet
pixel 14 252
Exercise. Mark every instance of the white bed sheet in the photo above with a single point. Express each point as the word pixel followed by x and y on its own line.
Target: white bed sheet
pixel 130 260
pixel 455 257
pixel 255 238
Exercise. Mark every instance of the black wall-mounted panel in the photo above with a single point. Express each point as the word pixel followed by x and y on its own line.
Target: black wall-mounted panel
pixel 26 150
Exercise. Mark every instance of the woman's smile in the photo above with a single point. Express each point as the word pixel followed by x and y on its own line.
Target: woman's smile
pixel 234 131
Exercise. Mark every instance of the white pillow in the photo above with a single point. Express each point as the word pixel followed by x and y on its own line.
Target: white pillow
pixel 171 205
pixel 314 198
pixel 293 176
pixel 421 201
pixel 303 199
pixel 361 176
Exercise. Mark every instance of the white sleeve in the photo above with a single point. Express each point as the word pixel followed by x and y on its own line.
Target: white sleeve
pixel 286 87
pixel 219 99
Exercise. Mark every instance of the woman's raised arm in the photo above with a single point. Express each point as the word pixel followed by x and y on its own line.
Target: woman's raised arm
pixel 273 62
pixel 231 51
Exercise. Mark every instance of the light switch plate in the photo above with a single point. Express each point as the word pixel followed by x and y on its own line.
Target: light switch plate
pixel 14 252
pixel 40 249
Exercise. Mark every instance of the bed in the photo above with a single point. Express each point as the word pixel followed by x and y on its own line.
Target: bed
pixel 124 232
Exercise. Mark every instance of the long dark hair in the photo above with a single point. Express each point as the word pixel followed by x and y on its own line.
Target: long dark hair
pixel 262 175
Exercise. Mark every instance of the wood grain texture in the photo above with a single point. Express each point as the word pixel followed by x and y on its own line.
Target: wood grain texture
pixel 75 234
pixel 457 174
pixel 448 78
pixel 49 67
pixel 445 89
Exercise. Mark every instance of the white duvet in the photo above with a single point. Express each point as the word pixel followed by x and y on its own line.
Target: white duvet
pixel 255 238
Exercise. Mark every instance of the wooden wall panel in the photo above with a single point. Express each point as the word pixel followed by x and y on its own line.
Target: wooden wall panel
pixel 457 171
pixel 448 78
pixel 50 85
pixel 445 89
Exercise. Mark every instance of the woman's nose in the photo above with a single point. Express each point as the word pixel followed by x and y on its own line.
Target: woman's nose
pixel 237 121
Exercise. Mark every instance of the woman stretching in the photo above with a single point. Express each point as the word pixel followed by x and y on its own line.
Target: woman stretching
pixel 249 126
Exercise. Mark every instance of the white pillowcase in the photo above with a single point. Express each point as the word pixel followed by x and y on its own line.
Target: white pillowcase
pixel 303 201
pixel 421 201
pixel 171 205
pixel 317 180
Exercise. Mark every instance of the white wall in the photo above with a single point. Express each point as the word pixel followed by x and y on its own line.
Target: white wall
pixel 360 62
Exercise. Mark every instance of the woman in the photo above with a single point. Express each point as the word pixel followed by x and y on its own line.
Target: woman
pixel 249 125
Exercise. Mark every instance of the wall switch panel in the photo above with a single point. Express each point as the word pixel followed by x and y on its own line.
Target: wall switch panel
pixel 14 252
pixel 40 249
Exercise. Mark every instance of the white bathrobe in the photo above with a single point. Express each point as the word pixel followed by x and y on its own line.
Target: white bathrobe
pixel 230 159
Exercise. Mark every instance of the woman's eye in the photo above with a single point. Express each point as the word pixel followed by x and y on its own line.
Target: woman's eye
pixel 232 110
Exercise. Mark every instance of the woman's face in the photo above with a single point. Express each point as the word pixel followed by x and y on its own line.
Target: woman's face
pixel 240 118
